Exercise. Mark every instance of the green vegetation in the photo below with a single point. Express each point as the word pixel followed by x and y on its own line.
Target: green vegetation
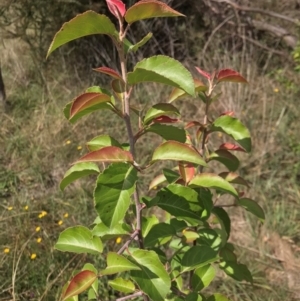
pixel 38 145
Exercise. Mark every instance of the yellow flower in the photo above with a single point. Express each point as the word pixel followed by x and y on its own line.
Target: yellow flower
pixel 42 214
pixel 37 229
pixel 66 215
pixel 118 240
pixel 68 141
pixel 38 240
pixel 60 222
pixel 276 90
pixel 10 208
pixel 6 250
pixel 26 207
pixel 79 147
pixel 220 135
pixel 33 256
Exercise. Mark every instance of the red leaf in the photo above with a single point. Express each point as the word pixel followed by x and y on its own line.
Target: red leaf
pixel 87 100
pixel 165 119
pixel 107 154
pixel 192 124
pixel 109 71
pixel 204 73
pixel 79 283
pixel 228 113
pixel 116 7
pixel 232 147
pixel 187 171
pixel 229 75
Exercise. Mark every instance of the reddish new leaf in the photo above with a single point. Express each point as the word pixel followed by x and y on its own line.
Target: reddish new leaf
pixel 228 113
pixel 116 7
pixel 231 147
pixel 229 75
pixel 204 73
pixel 86 101
pixel 109 72
pixel 79 284
pixel 192 124
pixel 165 119
pixel 187 171
pixel 146 9
pixel 108 154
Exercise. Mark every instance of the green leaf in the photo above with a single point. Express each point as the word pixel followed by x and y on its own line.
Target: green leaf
pixel 210 180
pixel 236 271
pixel 217 297
pixel 153 279
pixel 107 154
pixel 194 297
pixel 113 191
pixel 118 263
pixel 198 256
pixel 148 223
pixel 78 171
pixel 157 181
pixel 102 141
pixel 178 93
pixel 210 238
pixel 225 157
pixel 165 70
pixel 108 233
pixel 158 232
pixel 122 285
pixel 160 109
pixel 83 25
pixel 252 207
pixel 79 239
pixel 181 202
pixel 149 9
pixel 79 284
pixel 168 132
pixel 202 277
pixel 223 219
pixel 234 128
pixel 227 254
pixel 90 267
pixel 178 224
pixel 234 178
pixel 171 175
pixel 176 151
pixel 142 42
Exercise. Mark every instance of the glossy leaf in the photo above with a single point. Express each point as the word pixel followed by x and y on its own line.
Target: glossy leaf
pixel 157 181
pixel 78 171
pixel 223 219
pixel 234 128
pixel 148 223
pixel 116 7
pixel 83 25
pixel 210 238
pixel 113 232
pixel 252 207
pixel 102 141
pixel 202 277
pixel 113 191
pixel 94 286
pixel 114 74
pixel 178 93
pixel 210 180
pixel 122 285
pixel 234 178
pixel 198 256
pixel 161 230
pixel 228 75
pixel 160 109
pixel 176 151
pixel 226 158
pixel 236 270
pixel 146 9
pixel 231 147
pixel 141 43
pixel 217 297
pixel 165 70
pixel 79 239
pixel 79 284
pixel 107 154
pixel 168 132
pixel 117 264
pixel 181 202
pixel 194 297
pixel 171 175
pixel 153 279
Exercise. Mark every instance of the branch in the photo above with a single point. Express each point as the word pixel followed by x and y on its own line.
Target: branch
pixel 130 296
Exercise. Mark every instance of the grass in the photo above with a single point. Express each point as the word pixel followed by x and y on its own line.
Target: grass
pixel 38 146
